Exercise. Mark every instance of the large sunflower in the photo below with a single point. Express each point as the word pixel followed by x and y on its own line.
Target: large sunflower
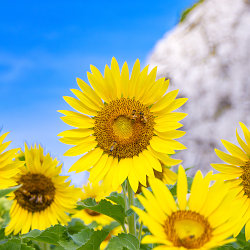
pixel 98 192
pixel 237 172
pixel 8 168
pixel 44 198
pixel 203 221
pixel 125 125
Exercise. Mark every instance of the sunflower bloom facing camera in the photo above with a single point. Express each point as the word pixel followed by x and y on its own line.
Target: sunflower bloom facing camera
pixel 44 199
pixel 236 171
pixel 125 125
pixel 8 167
pixel 204 221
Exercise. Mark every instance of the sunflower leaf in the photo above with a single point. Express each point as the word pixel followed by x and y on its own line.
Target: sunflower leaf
pixel 117 198
pixel 123 241
pixel 6 191
pixel 95 240
pixel 15 244
pixel 116 212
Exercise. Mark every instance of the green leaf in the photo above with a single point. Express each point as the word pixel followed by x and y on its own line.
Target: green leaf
pixel 95 240
pixel 6 191
pixel 51 235
pixel 15 244
pixel 83 236
pixel 117 198
pixel 116 212
pixel 127 241
pixel 75 226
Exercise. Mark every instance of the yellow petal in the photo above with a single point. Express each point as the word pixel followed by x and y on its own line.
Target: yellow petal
pixel 173 117
pixel 124 169
pixel 125 80
pixel 234 150
pixel 80 122
pixel 167 126
pixel 79 106
pixel 246 133
pixel 133 181
pixel 89 92
pixel 163 196
pixel 86 100
pixel 161 145
pixel 164 101
pixel 229 158
pixel 152 160
pixel 182 188
pixel 172 134
pixel 225 168
pixel 173 106
pixel 243 144
pixel 79 132
pixel 87 161
pixel 80 149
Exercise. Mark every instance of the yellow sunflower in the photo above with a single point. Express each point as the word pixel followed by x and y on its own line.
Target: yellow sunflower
pixel 237 173
pixel 125 125
pixel 98 192
pixel 8 168
pixel 203 221
pixel 44 198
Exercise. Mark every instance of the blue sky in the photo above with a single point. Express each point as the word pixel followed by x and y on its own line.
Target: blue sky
pixel 45 45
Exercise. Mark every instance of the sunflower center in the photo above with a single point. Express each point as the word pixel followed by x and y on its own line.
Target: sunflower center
pixel 36 193
pixel 91 212
pixel 246 178
pixel 187 229
pixel 124 128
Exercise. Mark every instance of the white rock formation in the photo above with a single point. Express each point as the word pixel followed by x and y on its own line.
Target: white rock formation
pixel 207 57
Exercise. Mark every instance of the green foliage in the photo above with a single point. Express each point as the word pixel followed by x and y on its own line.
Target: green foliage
pixel 117 198
pixel 15 244
pixel 6 191
pixel 117 212
pixel 122 242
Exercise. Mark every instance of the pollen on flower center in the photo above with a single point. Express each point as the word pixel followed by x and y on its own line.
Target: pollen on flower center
pixel 188 229
pixel 246 178
pixel 36 193
pixel 124 128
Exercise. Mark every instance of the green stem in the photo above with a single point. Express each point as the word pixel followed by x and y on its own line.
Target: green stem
pixel 139 234
pixel 131 219
pixel 124 229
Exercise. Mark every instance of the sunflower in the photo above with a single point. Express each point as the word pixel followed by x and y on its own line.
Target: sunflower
pixel 237 172
pixel 8 168
pixel 97 192
pixel 203 221
pixel 44 198
pixel 125 125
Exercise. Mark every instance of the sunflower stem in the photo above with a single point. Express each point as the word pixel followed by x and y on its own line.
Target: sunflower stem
pixel 131 219
pixel 139 234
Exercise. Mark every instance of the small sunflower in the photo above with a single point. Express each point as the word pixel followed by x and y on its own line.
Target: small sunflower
pixel 8 167
pixel 44 198
pixel 97 192
pixel 237 173
pixel 203 221
pixel 125 125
